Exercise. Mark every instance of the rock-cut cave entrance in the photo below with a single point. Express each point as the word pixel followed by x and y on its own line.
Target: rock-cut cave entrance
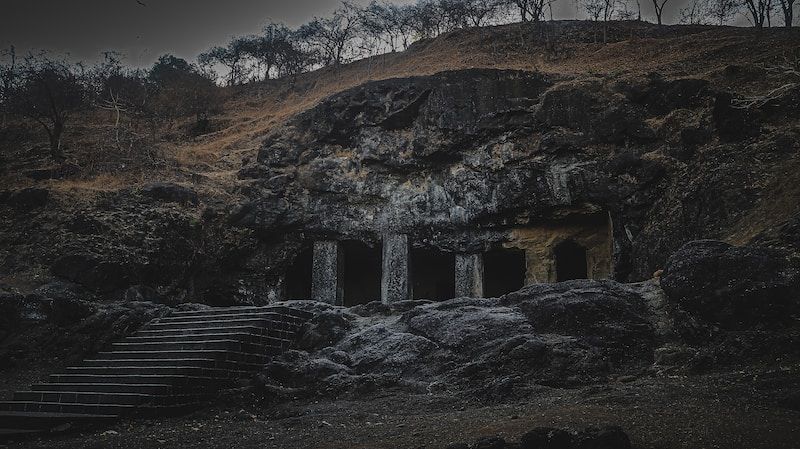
pixel 571 262
pixel 433 274
pixel 503 272
pixel 361 279
pixel 298 276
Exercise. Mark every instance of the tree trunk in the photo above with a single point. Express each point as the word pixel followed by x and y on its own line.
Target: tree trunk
pixel 788 12
pixel 55 141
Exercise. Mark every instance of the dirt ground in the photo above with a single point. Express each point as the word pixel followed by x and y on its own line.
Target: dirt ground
pixel 744 409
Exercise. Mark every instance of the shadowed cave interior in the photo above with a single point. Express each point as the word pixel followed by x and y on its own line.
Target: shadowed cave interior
pixel 433 274
pixel 361 279
pixel 570 261
pixel 503 271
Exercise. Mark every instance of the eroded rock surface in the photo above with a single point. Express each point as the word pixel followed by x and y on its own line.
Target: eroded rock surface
pixel 560 335
pixel 734 287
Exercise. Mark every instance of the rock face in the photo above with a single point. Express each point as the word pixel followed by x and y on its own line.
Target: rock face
pixel 461 161
pixel 734 287
pixel 559 335
pixel 61 324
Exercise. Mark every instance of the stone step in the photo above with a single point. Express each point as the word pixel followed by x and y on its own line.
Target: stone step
pixel 265 314
pixel 81 397
pixel 222 344
pixel 196 362
pixel 255 330
pixel 138 399
pixel 6 433
pixel 223 322
pixel 57 407
pixel 217 354
pixel 216 373
pixel 172 364
pixel 238 336
pixel 283 310
pixel 105 387
pixel 14 422
pixel 179 382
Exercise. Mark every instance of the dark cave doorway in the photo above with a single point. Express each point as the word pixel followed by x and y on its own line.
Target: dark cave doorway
pixel 571 262
pixel 504 272
pixel 298 276
pixel 361 277
pixel 433 274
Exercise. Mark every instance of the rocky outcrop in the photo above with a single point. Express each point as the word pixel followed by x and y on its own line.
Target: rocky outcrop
pixel 460 161
pixel 61 323
pixel 170 192
pixel 734 287
pixel 457 159
pixel 559 335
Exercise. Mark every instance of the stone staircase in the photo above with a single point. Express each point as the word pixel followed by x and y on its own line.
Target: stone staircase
pixel 171 364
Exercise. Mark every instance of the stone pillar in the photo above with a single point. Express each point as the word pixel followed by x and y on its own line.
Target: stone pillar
pixel 395 285
pixel 325 275
pixel 469 275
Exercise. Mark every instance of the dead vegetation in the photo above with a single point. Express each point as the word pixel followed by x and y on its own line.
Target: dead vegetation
pixel 249 112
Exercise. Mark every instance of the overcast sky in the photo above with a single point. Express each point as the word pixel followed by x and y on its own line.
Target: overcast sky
pixel 86 28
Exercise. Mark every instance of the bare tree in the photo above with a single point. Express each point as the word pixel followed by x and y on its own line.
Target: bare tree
pixel 175 89
pixel 388 23
pixel 599 9
pixel 480 12
pixel 117 89
pixel 48 92
pixel 264 50
pixel 528 10
pixel 427 19
pixel 722 10
pixel 787 8
pixel 759 11
pixel 624 13
pixel 232 57
pixel 658 5
pixel 454 13
pixel 696 12
pixel 333 37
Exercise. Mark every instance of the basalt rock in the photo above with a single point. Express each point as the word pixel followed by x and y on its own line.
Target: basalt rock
pixel 170 192
pixel 563 334
pixel 92 272
pixel 734 287
pixel 458 159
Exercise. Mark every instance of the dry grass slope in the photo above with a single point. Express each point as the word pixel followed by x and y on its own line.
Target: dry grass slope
pixel 571 48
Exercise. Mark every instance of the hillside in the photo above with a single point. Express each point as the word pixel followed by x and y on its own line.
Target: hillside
pixel 566 224
pixel 567 47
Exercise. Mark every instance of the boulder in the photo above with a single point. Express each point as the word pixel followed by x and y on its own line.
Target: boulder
pixel 169 192
pixel 494 442
pixel 734 287
pixel 564 334
pixel 141 293
pixel 609 437
pixel 325 329
pixel 546 438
